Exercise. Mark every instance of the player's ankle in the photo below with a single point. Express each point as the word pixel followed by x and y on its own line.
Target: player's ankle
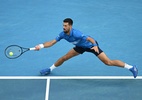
pixel 128 66
pixel 52 67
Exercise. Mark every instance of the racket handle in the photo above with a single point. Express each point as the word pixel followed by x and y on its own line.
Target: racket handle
pixel 32 48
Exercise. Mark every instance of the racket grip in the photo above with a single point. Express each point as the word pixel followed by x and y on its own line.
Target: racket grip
pixel 32 48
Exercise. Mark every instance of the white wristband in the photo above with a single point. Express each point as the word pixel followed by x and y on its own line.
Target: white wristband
pixel 41 46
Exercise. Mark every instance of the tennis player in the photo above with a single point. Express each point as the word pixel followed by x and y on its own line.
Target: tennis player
pixel 83 43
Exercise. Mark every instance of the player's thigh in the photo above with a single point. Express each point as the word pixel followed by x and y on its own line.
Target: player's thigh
pixel 103 57
pixel 71 54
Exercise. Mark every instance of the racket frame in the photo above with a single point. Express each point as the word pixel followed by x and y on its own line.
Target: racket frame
pixel 23 50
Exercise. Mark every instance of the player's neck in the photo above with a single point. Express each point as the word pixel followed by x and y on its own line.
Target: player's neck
pixel 68 33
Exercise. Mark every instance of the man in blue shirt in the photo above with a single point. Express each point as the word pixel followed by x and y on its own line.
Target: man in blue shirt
pixel 83 43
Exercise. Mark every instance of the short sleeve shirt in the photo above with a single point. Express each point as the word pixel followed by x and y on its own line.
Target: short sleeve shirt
pixel 75 37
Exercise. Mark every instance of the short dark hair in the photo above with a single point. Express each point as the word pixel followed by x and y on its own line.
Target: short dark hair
pixel 68 20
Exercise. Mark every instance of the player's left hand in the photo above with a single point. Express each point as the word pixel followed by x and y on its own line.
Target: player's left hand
pixel 96 49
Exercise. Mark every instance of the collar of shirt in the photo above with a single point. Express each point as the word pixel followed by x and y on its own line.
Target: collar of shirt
pixel 71 32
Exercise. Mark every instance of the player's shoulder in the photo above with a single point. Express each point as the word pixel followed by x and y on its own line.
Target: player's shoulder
pixel 76 32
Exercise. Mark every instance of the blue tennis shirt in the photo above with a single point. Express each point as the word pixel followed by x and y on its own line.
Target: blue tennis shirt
pixel 75 37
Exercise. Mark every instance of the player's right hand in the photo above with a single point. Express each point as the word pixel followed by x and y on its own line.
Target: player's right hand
pixel 37 48
pixel 40 46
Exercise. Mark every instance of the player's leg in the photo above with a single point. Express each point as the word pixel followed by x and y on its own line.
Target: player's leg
pixel 102 56
pixel 60 61
pixel 69 55
pixel 109 62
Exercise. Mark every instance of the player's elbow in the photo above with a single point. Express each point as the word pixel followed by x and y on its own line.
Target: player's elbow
pixel 91 40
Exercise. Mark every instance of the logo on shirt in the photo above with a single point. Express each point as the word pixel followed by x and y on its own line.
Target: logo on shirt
pixel 75 42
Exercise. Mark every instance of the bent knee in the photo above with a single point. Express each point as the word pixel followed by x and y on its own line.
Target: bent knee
pixel 108 62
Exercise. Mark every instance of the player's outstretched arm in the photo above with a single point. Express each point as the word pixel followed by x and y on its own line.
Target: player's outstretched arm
pixel 46 44
pixel 49 44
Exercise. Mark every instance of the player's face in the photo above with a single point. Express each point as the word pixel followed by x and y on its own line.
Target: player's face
pixel 66 27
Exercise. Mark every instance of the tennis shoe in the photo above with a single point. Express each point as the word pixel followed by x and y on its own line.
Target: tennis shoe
pixel 45 71
pixel 134 70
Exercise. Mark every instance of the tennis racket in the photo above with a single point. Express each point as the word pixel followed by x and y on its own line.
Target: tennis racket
pixel 15 51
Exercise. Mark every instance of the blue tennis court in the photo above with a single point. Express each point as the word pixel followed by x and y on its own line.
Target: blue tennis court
pixel 67 88
pixel 95 89
pixel 115 24
pixel 22 89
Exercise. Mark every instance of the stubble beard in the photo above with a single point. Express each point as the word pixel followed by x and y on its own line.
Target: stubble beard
pixel 66 31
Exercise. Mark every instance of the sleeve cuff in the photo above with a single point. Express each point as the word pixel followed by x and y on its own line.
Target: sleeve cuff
pixel 95 45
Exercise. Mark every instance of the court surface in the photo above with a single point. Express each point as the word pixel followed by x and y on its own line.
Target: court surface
pixel 22 89
pixel 95 89
pixel 115 24
pixel 70 88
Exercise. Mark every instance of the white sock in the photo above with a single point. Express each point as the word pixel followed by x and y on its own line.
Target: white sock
pixel 128 66
pixel 52 67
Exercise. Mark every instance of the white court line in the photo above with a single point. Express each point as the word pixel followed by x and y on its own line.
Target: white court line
pixel 69 77
pixel 47 89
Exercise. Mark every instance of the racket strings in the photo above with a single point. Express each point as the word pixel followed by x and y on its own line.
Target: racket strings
pixel 15 50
